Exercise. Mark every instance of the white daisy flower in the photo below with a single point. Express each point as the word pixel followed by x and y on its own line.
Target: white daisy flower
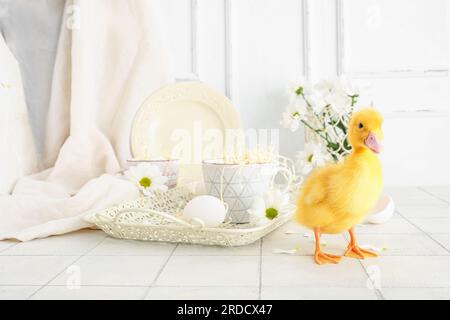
pixel 325 86
pixel 147 177
pixel 289 121
pixel 353 88
pixel 294 113
pixel 331 93
pixel 316 100
pixel 304 164
pixel 314 155
pixel 270 205
pixel 296 88
pixel 339 101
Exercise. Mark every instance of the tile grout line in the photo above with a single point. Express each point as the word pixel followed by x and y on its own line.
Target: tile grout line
pixel 131 255
pixel 136 286
pixel 231 286
pixel 160 271
pixel 260 268
pixel 264 255
pixel 423 231
pixel 64 269
pixel 377 291
pixel 433 195
pixel 437 241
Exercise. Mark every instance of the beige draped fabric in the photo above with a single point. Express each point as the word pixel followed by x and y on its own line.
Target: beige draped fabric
pixel 109 59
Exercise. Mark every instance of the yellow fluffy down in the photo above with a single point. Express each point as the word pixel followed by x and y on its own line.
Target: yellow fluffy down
pixel 338 196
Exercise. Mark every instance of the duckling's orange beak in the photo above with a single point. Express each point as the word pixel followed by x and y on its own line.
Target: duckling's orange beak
pixel 373 143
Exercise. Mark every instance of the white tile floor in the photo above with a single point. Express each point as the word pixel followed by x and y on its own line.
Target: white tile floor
pixel 89 265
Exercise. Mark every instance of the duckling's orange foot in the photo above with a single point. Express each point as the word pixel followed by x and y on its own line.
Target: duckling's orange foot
pixel 323 258
pixel 354 251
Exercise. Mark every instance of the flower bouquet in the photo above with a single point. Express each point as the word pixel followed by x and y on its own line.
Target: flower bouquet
pixel 325 109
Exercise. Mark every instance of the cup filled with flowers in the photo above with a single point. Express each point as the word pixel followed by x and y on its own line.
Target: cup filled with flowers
pixel 241 180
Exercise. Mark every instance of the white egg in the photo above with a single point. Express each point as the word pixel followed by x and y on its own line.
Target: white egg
pixel 205 209
pixel 383 211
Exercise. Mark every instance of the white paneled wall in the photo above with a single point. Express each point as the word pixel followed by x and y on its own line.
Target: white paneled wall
pixel 407 38
pixel 252 49
pixel 266 54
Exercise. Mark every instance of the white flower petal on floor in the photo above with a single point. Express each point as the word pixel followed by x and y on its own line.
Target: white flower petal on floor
pixel 373 248
pixel 285 251
pixel 290 232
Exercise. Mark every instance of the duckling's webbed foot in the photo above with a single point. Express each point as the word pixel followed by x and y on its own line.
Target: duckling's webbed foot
pixel 354 251
pixel 323 258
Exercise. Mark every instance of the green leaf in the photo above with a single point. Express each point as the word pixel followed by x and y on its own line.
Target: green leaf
pixel 354 99
pixel 347 145
pixel 342 126
pixel 333 146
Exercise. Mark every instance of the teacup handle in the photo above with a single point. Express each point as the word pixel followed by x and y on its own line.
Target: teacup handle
pixel 287 174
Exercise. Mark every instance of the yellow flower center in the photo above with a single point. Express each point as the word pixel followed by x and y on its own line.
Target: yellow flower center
pixel 271 213
pixel 145 182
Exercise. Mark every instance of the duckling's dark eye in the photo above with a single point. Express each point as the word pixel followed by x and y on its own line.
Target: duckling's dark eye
pixel 360 125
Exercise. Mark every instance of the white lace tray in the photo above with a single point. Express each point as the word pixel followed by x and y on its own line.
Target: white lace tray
pixel 155 219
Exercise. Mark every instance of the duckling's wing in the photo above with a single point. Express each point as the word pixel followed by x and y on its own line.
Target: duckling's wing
pixel 315 188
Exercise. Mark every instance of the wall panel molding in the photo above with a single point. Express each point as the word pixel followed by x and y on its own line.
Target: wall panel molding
pixel 230 91
pixel 306 38
pixel 194 38
pixel 342 63
pixel 194 51
pixel 231 74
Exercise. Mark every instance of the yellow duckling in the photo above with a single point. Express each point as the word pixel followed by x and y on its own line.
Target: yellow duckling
pixel 338 196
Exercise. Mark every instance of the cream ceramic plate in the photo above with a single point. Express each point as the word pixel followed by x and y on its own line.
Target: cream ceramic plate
pixel 185 121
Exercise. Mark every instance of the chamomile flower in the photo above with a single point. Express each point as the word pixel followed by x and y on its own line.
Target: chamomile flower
pixel 290 120
pixel 147 177
pixel 353 88
pixel 339 101
pixel 294 113
pixel 314 155
pixel 270 205
pixel 298 87
pixel 316 101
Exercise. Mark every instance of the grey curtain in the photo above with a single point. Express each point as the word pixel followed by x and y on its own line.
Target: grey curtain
pixel 31 30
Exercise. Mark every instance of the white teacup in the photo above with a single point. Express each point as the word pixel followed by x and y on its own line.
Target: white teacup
pixel 240 184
